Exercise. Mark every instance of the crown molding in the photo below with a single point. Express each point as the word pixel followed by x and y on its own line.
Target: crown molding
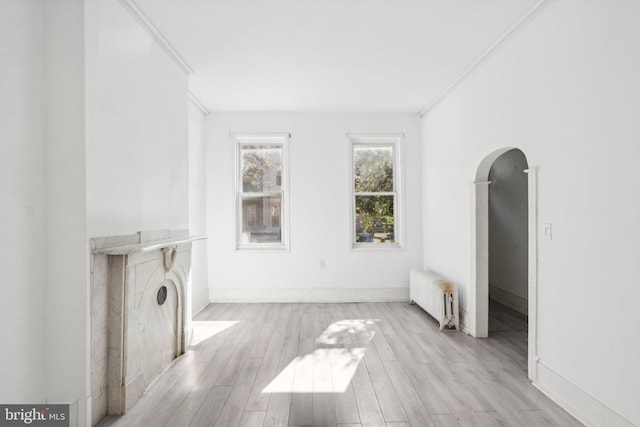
pixel 199 105
pixel 132 7
pixel 483 57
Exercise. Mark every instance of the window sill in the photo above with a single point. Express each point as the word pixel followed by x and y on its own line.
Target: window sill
pixel 376 247
pixel 258 248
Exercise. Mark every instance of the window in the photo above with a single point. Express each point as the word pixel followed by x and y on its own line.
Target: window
pixel 375 198
pixel 261 190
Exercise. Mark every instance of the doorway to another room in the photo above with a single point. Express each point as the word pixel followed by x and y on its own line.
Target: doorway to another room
pixel 508 251
pixel 504 285
pixel 508 242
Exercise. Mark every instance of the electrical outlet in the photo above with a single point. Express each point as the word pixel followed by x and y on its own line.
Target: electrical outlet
pixel 322 265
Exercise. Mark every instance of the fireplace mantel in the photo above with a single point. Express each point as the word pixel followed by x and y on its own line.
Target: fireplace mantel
pixel 146 246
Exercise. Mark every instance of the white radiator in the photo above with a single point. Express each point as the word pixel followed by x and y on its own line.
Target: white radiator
pixel 436 296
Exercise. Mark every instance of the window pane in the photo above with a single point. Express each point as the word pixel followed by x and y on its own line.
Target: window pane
pixel 261 168
pixel 373 168
pixel 374 219
pixel 261 219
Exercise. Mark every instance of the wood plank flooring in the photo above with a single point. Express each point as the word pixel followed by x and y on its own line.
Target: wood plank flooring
pixel 345 365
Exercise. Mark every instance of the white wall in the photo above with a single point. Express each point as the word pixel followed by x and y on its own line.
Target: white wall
pixel 137 127
pixel 22 190
pixel 319 213
pixel 198 208
pixel 42 128
pixel 565 90
pixel 66 362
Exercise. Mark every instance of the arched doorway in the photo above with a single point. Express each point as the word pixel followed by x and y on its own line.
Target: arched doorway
pixel 482 226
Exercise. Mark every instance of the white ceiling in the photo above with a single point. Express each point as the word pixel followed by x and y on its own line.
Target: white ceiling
pixel 329 55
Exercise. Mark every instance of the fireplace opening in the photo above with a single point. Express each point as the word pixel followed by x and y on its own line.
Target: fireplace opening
pixel 162 295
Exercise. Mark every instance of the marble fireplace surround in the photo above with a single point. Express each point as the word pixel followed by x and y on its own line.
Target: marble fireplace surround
pixel 133 337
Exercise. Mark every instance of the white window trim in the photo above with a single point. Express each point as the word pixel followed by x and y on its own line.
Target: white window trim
pixel 397 141
pixel 239 140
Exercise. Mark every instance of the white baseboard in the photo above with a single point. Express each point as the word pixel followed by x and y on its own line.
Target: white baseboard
pixel 200 301
pixel 509 299
pixel 314 295
pixel 586 408
pixel 74 415
pixel 188 337
pixel 79 412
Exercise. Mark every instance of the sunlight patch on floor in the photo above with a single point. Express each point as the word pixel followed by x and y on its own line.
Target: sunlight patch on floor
pixel 341 363
pixel 335 332
pixel 328 369
pixel 205 329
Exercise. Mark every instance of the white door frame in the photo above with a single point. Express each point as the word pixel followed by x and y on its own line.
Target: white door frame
pixel 478 306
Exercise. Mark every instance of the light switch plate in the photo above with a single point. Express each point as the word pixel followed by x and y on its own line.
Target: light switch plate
pixel 547 230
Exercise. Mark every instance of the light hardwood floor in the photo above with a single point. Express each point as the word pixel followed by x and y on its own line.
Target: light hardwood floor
pixel 345 365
